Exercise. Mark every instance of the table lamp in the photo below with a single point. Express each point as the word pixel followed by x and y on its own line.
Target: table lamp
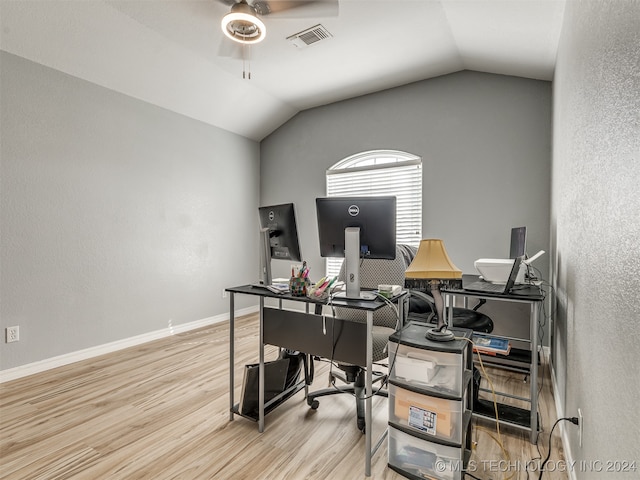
pixel 432 269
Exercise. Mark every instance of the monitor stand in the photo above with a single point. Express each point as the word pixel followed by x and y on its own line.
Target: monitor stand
pixel 352 267
pixel 265 257
pixel 362 296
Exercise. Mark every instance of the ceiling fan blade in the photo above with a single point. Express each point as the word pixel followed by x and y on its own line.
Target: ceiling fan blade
pixel 297 8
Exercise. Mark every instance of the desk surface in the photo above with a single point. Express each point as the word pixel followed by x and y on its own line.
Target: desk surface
pixel 370 305
pixel 518 292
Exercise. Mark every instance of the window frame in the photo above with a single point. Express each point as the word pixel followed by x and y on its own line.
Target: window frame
pixel 390 169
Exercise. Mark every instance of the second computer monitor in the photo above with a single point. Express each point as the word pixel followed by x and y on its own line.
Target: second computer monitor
pixel 278 237
pixel 356 228
pixel 518 242
pixel 280 220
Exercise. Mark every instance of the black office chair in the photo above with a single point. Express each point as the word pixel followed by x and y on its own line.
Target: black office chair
pixel 385 322
pixel 422 309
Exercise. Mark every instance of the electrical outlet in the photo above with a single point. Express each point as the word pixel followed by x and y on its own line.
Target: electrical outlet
pixel 12 334
pixel 224 293
pixel 580 425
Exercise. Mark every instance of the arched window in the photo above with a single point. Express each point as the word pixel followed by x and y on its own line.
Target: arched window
pixel 382 172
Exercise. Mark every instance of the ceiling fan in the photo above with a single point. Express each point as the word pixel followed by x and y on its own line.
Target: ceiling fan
pixel 244 25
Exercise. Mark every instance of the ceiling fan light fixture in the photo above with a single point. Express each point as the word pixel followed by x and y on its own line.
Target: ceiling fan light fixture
pixel 242 24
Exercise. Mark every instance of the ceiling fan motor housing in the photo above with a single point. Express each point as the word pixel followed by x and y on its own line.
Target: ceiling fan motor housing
pixel 243 25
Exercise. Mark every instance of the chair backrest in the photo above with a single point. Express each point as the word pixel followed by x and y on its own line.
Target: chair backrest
pixel 380 272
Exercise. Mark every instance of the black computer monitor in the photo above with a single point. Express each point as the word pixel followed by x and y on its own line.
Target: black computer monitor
pixel 356 228
pixel 518 242
pixel 279 237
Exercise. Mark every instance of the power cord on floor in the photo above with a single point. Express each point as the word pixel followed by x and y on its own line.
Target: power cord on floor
pixel 539 457
pixel 498 440
pixel 332 363
pixel 573 420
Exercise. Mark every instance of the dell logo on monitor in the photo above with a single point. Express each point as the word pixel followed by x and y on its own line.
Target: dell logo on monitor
pixel 353 210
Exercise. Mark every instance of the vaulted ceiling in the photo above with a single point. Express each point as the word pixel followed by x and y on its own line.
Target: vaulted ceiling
pixel 172 53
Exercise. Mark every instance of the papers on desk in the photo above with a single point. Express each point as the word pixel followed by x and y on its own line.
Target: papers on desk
pixel 278 287
pixel 490 345
pixel 274 287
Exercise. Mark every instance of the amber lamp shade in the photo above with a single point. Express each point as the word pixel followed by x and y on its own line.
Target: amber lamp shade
pixel 431 269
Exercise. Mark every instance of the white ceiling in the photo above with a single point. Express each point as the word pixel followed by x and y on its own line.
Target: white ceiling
pixel 172 53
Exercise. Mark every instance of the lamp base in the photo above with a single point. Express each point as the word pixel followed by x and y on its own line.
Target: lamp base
pixel 438 335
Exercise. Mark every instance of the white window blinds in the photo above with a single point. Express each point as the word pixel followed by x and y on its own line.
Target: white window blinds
pixel 382 172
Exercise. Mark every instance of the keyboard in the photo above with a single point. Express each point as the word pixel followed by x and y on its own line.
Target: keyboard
pixel 482 286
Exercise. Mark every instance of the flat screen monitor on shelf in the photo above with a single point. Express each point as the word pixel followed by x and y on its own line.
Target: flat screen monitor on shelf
pixel 357 228
pixel 518 245
pixel 278 237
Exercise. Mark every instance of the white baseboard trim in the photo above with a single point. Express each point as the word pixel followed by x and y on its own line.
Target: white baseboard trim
pixel 546 351
pixel 568 455
pixel 87 353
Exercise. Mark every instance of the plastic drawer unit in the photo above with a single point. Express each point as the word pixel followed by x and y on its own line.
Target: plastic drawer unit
pixel 442 418
pixel 416 458
pixel 429 369
pixel 430 399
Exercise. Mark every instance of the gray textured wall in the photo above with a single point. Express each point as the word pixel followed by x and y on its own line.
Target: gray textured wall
pixel 118 218
pixel 596 229
pixel 482 138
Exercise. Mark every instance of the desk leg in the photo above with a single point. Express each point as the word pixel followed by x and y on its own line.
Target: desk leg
pixel 261 371
pixel 308 357
pixel 534 372
pixel 369 393
pixel 231 350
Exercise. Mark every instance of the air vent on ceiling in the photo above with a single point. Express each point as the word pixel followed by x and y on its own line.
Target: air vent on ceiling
pixel 310 36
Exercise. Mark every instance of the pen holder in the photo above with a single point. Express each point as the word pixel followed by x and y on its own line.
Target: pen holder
pixel 323 289
pixel 312 292
pixel 298 286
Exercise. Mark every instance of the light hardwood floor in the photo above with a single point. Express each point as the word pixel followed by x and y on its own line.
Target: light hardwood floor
pixel 160 411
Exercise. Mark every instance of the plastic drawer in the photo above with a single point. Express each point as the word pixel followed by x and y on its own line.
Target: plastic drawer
pixel 433 416
pixel 424 459
pixel 439 370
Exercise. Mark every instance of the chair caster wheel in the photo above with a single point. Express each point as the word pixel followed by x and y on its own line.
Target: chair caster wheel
pixel 361 426
pixel 314 404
